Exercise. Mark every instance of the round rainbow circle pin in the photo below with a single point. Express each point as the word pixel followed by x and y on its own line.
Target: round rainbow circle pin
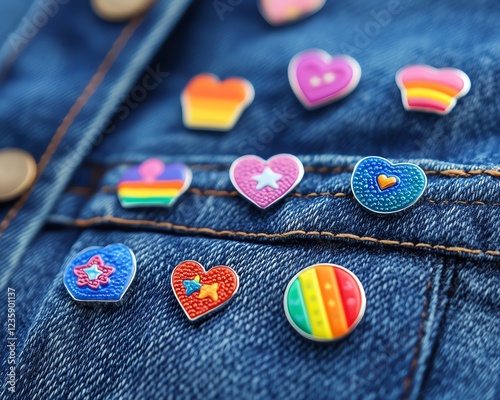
pixel 324 302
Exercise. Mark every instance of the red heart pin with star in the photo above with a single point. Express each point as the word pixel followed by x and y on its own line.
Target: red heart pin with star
pixel 200 292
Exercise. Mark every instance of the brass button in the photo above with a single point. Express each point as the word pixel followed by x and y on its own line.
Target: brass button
pixel 120 10
pixel 17 173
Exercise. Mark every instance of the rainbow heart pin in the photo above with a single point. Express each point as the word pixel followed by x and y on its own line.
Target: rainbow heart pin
pixel 201 292
pixel 428 89
pixel 153 184
pixel 317 78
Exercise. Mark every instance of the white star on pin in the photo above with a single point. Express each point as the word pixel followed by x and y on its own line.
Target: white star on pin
pixel 92 272
pixel 267 178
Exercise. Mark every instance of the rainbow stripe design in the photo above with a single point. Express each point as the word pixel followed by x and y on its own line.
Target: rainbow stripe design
pixel 208 103
pixel 153 184
pixel 324 302
pixel 428 89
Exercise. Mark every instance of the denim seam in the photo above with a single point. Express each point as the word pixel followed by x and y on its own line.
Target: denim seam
pixel 455 173
pixel 81 101
pixel 12 56
pixel 439 302
pixel 459 173
pixel 226 193
pixel 85 223
pixel 416 350
pixel 450 173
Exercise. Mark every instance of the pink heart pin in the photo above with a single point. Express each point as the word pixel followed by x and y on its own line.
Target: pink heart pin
pixel 317 78
pixel 266 182
pixel 279 12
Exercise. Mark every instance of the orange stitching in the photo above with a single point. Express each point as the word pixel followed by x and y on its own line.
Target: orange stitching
pixel 225 193
pixel 464 203
pixel 109 189
pixel 209 167
pixel 450 173
pixel 328 170
pixel 458 173
pixel 80 191
pixel 416 351
pixel 74 111
pixel 455 173
pixel 222 193
pixel 321 194
pixel 84 223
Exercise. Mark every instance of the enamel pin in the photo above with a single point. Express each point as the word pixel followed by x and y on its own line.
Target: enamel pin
pixel 100 274
pixel 324 302
pixel 153 184
pixel 317 78
pixel 280 12
pixel 266 182
pixel 211 104
pixel 428 89
pixel 201 292
pixel 385 188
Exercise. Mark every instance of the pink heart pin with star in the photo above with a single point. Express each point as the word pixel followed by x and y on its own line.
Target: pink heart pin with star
pixel 266 182
pixel 317 78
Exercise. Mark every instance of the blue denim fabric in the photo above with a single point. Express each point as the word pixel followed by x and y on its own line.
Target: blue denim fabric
pixel 89 98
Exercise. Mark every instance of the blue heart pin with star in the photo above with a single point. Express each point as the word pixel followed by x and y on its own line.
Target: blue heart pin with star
pixel 100 274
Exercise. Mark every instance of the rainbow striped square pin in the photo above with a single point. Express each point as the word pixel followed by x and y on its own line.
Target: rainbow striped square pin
pixel 153 184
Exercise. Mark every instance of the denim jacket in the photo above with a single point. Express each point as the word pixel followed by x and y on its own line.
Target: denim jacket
pixel 88 98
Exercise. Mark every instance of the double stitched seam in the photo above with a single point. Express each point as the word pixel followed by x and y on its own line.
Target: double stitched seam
pixel 464 203
pixel 458 173
pixel 74 111
pixel 450 173
pixel 234 193
pixel 455 173
pixel 84 223
pixel 416 350
pixel 460 202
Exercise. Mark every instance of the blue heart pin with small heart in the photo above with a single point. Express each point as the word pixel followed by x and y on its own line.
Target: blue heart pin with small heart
pixel 100 274
pixel 386 188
